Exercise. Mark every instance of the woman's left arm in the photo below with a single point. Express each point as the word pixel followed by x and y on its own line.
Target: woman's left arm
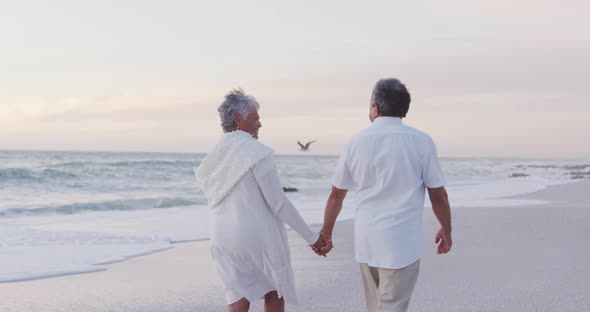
pixel 267 176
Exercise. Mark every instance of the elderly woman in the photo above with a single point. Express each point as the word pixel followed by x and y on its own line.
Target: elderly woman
pixel 249 211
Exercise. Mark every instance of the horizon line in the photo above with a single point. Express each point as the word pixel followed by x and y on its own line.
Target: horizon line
pixel 584 158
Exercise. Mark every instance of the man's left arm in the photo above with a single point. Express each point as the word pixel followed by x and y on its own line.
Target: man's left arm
pixel 333 208
pixel 341 182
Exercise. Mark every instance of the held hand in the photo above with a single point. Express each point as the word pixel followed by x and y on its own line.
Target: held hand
pixel 444 241
pixel 323 245
pixel 328 246
pixel 317 246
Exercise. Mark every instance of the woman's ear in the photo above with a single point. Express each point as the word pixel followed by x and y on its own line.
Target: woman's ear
pixel 238 120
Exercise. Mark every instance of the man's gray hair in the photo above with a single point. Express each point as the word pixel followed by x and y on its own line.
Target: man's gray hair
pixel 392 97
pixel 236 102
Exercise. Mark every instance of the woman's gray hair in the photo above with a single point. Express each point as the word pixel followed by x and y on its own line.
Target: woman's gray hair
pixel 236 102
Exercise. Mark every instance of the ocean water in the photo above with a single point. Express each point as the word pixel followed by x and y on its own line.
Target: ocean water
pixel 69 212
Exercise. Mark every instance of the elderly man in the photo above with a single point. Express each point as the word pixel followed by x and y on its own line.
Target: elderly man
pixel 390 166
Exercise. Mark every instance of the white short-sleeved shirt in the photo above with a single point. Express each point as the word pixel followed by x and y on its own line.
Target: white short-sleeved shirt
pixel 388 166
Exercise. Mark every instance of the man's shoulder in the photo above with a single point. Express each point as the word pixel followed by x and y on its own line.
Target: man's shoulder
pixel 418 134
pixel 356 137
pixel 360 134
pixel 365 135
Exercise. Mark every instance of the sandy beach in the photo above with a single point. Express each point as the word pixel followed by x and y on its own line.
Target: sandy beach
pixel 523 258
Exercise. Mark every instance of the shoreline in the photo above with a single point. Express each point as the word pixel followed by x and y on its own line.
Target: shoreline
pixel 487 270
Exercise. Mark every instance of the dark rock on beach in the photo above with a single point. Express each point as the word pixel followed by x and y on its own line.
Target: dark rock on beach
pixel 580 174
pixel 543 166
pixel 576 167
pixel 518 175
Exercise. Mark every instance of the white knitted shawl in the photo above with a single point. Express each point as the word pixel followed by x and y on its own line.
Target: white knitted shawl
pixel 234 155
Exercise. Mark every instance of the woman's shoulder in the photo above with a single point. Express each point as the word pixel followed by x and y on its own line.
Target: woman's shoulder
pixel 263 166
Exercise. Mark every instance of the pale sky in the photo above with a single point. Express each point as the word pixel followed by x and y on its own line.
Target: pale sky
pixel 488 78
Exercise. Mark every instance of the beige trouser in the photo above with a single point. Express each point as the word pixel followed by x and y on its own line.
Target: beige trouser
pixel 389 290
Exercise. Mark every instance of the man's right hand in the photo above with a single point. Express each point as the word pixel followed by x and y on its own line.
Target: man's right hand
pixel 440 205
pixel 444 241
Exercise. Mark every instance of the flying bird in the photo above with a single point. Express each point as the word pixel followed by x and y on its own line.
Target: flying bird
pixel 305 147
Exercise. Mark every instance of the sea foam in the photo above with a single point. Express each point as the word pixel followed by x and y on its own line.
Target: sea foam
pixel 67 213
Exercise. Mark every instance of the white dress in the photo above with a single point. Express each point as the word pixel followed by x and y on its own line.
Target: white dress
pixel 249 242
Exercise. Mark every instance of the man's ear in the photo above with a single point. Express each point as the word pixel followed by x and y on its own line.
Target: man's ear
pixel 376 108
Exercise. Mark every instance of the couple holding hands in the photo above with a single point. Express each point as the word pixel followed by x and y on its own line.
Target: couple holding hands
pixel 388 165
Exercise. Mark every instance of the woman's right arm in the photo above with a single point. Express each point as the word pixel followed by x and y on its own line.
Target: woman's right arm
pixel 267 176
